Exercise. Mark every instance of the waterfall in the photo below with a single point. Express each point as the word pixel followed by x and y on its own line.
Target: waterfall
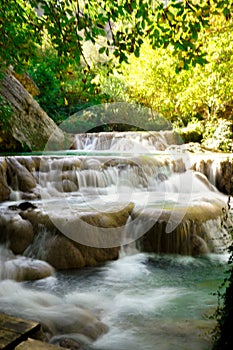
pixel 133 142
pixel 137 196
pixel 106 199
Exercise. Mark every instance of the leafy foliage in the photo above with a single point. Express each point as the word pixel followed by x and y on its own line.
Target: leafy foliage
pixel 67 24
pixel 115 117
pixel 49 37
pixel 198 101
pixel 61 96
pixel 224 313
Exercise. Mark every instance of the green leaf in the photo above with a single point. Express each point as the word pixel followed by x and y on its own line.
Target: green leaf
pixel 137 51
pixel 102 50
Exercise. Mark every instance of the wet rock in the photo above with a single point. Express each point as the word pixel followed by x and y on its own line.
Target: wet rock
pixel 26 205
pixel 218 170
pixel 65 164
pixel 51 245
pixel 224 178
pixel 67 343
pixel 69 186
pixel 116 218
pixel 24 269
pixel 197 230
pixel 16 231
pixel 22 206
pixel 20 268
pixel 4 188
pixel 38 219
pixel 62 254
pixel 35 194
pixel 30 163
pixel 19 178
pixel 198 246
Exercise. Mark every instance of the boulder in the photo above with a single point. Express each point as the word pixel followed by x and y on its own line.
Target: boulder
pixel 63 254
pixel 19 178
pixel 194 230
pixel 224 177
pixel 68 251
pixel 25 269
pixel 16 231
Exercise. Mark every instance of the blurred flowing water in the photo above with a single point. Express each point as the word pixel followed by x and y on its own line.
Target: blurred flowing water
pixel 146 300
pixel 151 301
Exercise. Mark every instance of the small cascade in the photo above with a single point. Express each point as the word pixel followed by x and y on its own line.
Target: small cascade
pixel 113 197
pixel 133 142
pixel 96 172
pixel 218 168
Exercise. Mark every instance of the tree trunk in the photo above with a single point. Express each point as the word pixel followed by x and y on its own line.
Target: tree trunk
pixel 29 127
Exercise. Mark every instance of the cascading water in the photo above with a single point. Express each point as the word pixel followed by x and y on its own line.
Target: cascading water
pixel 116 189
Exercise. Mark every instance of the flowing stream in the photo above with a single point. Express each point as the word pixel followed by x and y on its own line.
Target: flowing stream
pixel 143 300
pixel 148 301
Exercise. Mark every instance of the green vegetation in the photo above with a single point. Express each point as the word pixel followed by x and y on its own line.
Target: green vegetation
pixel 115 117
pixel 223 336
pixel 66 25
pixel 175 59
pixel 199 100
pixel 61 96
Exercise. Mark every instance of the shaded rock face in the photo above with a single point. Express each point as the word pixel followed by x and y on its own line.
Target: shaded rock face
pixel 16 231
pixel 24 269
pixel 218 170
pixel 224 179
pixel 202 230
pixel 63 253
pixel 4 188
pixel 19 178
pixel 32 233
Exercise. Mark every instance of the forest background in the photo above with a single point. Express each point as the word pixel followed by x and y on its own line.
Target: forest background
pixel 175 58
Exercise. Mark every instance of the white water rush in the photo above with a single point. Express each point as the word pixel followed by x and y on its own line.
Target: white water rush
pixel 115 240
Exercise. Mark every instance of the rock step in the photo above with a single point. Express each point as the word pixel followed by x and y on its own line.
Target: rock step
pixel 36 345
pixel 14 334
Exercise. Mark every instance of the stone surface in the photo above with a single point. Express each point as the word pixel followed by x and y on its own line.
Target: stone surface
pixel 64 253
pixel 25 269
pixel 19 178
pixel 199 230
pixel 218 169
pixel 4 188
pixel 17 232
pixel 224 178
pixel 30 127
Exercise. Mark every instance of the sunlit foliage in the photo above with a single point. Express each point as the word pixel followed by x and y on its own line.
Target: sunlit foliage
pixel 200 97
pixel 124 24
